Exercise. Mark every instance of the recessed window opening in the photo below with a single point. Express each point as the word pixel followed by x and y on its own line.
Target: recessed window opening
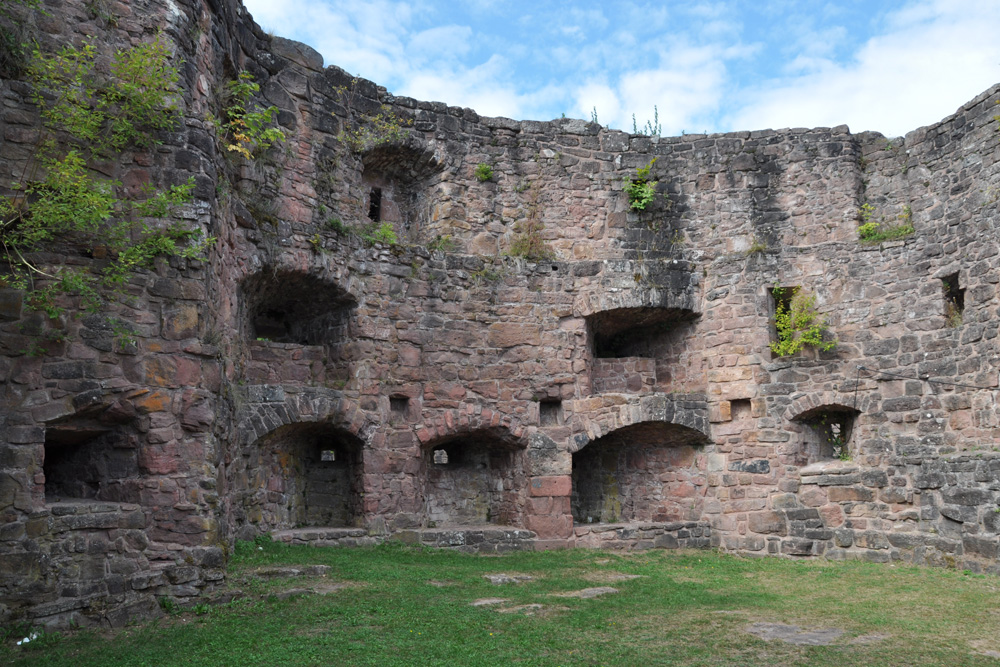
pixel 828 433
pixel 781 302
pixel 638 332
pixel 375 205
pixel 643 472
pixel 954 300
pixel 305 474
pixel 739 408
pixel 285 307
pixel 86 461
pixel 474 479
pixel 398 405
pixel 549 412
pixel 781 298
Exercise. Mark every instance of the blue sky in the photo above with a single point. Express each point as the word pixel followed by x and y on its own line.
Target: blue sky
pixel 713 66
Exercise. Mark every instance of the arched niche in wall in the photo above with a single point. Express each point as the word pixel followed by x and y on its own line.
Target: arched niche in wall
pixel 290 307
pixel 304 474
pixel 659 335
pixel 477 478
pixel 645 472
pixel 400 186
pixel 825 432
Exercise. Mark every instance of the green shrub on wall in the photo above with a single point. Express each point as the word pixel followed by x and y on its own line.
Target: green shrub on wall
pixel 640 189
pixel 60 202
pixel 797 323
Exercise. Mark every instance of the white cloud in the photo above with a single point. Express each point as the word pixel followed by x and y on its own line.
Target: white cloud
pixel 483 88
pixel 685 90
pixel 445 42
pixel 363 38
pixel 931 54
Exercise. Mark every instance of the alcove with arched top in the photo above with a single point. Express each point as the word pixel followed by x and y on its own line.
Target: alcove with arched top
pixel 824 433
pixel 400 186
pixel 641 349
pixel 303 474
pixel 474 479
pixel 290 307
pixel 646 472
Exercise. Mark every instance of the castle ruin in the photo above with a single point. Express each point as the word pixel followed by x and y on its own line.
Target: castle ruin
pixel 621 392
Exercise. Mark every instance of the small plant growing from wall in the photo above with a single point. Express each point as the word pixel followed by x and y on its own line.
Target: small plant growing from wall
pixel 651 128
pixel 248 126
pixel 380 233
pixel 872 231
pixel 443 243
pixel 640 189
pixel 371 130
pixel 527 241
pixel 89 115
pixel 484 172
pixel 797 323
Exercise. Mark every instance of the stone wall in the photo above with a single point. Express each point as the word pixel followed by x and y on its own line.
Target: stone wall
pixel 644 338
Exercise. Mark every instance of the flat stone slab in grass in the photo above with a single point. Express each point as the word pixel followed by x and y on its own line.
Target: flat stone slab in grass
pixel 985 647
pixel 610 576
pixel 501 579
pixel 299 571
pixel 485 602
pixel 794 634
pixel 587 593
pixel 533 609
pixel 322 589
pixel 440 584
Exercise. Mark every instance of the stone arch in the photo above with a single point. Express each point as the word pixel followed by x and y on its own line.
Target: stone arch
pixel 842 400
pixel 289 305
pixel 266 408
pixel 402 182
pixel 473 469
pixel 299 460
pixel 643 285
pixel 647 471
pixel 824 426
pixel 448 424
pixel 689 412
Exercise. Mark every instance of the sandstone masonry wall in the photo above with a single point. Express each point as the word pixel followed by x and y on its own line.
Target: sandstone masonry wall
pixel 305 382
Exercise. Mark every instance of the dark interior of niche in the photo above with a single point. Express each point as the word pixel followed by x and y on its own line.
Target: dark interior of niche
pixel 830 429
pixel 375 205
pixel 401 180
pixel 89 461
pixel 634 332
pixel 398 405
pixel 549 412
pixel 781 297
pixel 295 308
pixel 954 298
pixel 739 408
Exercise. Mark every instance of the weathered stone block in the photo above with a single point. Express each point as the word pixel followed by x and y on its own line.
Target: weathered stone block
pixel 556 485
pixel 840 494
pixel 767 523
pixel 967 496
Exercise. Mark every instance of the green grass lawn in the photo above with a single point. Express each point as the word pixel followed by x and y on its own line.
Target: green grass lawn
pixel 403 606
